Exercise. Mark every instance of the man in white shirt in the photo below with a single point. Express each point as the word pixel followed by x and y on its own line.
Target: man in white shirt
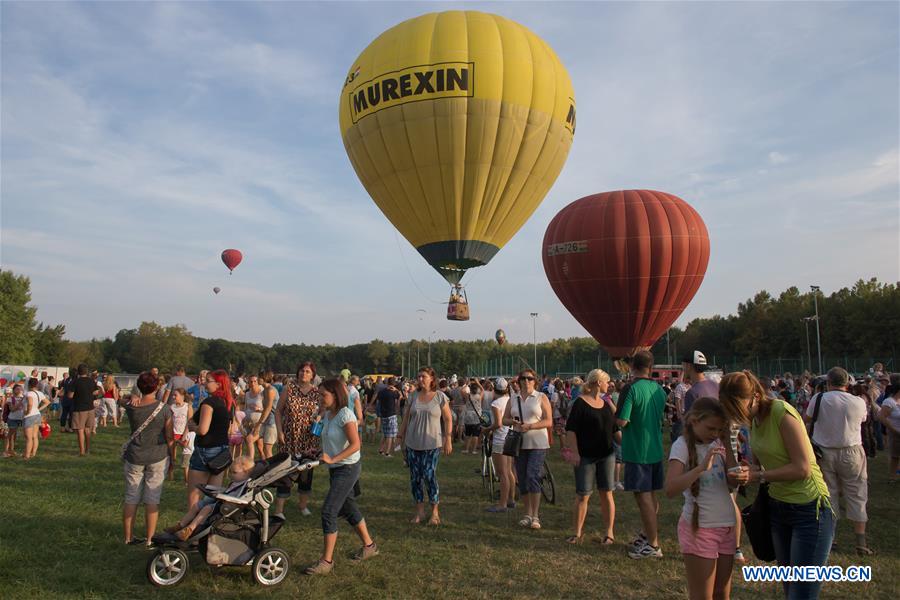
pixel 837 431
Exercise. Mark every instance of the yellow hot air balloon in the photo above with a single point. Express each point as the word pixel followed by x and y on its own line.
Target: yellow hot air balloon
pixel 457 123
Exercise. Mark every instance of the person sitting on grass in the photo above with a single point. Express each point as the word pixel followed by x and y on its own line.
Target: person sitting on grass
pixel 197 514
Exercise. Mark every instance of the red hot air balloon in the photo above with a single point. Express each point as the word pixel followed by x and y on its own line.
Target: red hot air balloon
pixel 232 258
pixel 626 264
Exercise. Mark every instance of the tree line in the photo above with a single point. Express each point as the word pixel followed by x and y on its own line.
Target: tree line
pixel 767 333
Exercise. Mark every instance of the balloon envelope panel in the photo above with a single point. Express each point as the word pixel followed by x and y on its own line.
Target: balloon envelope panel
pixel 457 124
pixel 626 264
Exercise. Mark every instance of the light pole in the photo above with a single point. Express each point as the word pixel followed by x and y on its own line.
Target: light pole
pixel 421 312
pixel 806 321
pixel 668 354
pixel 815 290
pixel 429 347
pixel 534 336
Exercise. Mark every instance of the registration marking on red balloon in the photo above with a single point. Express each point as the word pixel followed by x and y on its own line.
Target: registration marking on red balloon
pixel 567 248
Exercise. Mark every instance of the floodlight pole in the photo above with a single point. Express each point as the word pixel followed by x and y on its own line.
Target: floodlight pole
pixel 534 336
pixel 815 290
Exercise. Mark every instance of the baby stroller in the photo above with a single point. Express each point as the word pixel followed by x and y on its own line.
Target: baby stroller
pixel 237 532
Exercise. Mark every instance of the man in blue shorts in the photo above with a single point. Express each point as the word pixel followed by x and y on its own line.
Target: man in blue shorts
pixel 640 412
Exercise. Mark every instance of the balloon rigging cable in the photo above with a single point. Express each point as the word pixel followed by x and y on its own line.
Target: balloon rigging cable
pixel 409 272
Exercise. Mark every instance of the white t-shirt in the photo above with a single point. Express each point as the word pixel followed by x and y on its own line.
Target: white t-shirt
pixel 17 408
pixel 500 432
pixel 536 439
pixel 189 444
pixel 35 397
pixel 839 421
pixel 716 508
pixel 179 417
pixel 894 415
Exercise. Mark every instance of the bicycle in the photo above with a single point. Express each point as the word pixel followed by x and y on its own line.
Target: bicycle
pixel 548 484
pixel 489 478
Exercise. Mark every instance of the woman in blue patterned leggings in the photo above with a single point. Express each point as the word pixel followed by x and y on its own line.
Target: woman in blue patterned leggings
pixel 424 439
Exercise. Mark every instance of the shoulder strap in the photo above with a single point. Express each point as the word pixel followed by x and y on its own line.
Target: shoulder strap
pixel 143 426
pixel 812 424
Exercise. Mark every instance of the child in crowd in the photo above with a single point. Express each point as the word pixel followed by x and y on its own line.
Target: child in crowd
pixel 371 417
pixel 181 414
pixel 14 413
pixel 187 449
pixel 697 469
pixel 240 472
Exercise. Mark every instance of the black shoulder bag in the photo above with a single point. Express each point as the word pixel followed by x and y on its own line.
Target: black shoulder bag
pixel 513 443
pixel 817 451
pixel 757 523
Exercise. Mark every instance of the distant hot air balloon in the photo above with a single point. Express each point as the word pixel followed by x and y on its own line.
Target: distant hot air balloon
pixel 232 258
pixel 626 264
pixel 457 124
pixel 217 289
pixel 500 336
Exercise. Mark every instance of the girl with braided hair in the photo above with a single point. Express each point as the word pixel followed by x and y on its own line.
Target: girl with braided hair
pixel 697 469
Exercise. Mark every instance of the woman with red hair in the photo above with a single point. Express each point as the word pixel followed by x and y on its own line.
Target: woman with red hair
pixel 212 419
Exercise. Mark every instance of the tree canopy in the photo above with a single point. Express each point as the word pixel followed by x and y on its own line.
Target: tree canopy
pixel 767 333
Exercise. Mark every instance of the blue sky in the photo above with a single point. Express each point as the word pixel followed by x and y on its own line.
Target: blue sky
pixel 140 139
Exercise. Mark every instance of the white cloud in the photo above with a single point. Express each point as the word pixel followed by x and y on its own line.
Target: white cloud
pixel 779 158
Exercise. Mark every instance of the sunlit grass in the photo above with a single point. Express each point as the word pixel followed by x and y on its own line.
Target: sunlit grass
pixel 60 537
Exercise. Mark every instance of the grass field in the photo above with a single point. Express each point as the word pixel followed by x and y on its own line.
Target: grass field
pixel 60 537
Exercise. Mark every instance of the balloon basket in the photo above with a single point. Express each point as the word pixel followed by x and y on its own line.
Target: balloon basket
pixel 458 305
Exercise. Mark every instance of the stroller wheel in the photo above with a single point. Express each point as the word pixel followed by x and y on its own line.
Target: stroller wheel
pixel 167 567
pixel 270 567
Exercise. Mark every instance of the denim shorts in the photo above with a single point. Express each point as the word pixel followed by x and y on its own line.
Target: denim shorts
pixel 643 478
pixel 599 472
pixel 202 456
pixel 32 421
pixel 14 423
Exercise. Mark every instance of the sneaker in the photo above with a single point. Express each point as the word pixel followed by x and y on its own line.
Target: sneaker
pixel 645 551
pixel 739 557
pixel 365 553
pixel 620 487
pixel 320 568
pixel 397 448
pixel 306 512
pixel 136 541
pixel 638 542
pixel 511 505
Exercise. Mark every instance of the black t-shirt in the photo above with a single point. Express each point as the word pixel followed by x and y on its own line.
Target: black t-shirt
pixel 218 426
pixel 593 427
pixel 387 402
pixel 83 389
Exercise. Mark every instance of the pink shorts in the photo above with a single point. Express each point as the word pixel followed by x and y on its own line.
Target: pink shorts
pixel 706 542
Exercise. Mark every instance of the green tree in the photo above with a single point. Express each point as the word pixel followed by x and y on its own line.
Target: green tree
pixel 49 345
pixel 16 319
pixel 163 347
pixel 378 353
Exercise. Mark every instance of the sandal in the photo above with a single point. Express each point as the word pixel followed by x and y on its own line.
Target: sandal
pixel 434 520
pixel 575 539
pixel 606 541
pixel 526 521
pixel 535 523
pixel 864 551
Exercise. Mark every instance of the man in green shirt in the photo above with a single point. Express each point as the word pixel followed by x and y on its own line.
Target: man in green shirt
pixel 639 414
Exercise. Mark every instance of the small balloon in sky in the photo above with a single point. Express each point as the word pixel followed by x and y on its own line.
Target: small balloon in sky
pixel 232 258
pixel 217 289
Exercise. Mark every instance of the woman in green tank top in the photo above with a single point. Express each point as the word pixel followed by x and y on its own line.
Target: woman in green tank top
pixel 802 521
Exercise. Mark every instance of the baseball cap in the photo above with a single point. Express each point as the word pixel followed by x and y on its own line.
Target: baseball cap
pixel 501 384
pixel 697 358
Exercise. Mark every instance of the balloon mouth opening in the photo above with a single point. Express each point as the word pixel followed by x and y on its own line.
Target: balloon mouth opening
pixel 453 258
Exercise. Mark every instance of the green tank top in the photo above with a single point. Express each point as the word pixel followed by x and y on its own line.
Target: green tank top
pixel 768 447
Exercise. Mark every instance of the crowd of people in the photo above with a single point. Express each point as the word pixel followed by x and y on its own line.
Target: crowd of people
pixel 806 438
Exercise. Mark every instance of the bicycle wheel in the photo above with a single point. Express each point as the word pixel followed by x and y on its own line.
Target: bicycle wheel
pixel 548 484
pixel 492 479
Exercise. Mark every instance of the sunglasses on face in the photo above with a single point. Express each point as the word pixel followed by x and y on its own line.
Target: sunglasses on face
pixel 526 378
